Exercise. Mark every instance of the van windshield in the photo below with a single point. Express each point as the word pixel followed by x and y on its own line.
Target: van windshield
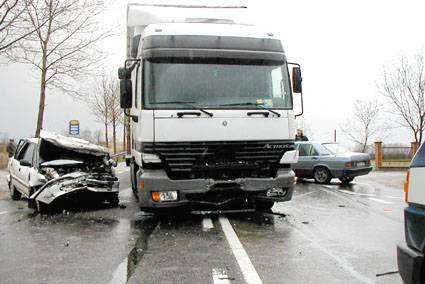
pixel 208 85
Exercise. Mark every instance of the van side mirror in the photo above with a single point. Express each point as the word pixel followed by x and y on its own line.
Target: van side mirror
pixel 125 93
pixel 296 80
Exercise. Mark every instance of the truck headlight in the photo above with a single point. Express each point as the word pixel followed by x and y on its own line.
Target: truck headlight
pixel 164 196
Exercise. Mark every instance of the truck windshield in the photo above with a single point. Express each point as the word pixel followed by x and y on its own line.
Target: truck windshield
pixel 216 86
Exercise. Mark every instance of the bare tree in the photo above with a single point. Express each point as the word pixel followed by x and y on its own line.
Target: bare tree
pixel 14 26
pixel 366 126
pixel 64 47
pixel 116 112
pixel 87 135
pixel 99 104
pixel 403 84
pixel 97 135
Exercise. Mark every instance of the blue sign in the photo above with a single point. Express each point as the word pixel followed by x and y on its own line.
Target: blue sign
pixel 74 127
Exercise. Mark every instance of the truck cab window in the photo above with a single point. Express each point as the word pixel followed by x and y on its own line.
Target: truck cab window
pixel 210 85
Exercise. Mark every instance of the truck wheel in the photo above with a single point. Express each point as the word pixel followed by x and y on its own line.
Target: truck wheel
pixel 322 175
pixel 346 180
pixel 14 193
pixel 263 205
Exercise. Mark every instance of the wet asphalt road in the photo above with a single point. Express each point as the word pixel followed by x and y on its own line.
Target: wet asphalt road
pixel 326 234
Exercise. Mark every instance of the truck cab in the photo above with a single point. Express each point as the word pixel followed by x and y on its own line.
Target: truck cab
pixel 211 107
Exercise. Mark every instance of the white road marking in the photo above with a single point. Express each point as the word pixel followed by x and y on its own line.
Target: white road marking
pixel 307 193
pixel 248 270
pixel 120 274
pixel 380 200
pixel 220 276
pixel 121 172
pixel 3 212
pixel 207 224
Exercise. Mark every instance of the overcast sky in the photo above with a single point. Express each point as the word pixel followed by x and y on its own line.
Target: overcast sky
pixel 342 47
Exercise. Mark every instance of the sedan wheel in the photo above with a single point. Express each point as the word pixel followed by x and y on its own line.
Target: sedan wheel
pixel 322 175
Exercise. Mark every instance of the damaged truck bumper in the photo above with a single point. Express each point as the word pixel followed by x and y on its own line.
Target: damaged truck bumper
pixel 155 184
pixel 76 186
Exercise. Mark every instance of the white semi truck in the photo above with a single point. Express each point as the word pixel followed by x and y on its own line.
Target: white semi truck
pixel 212 112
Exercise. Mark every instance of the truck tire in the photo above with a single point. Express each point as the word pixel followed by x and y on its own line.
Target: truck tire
pixel 14 193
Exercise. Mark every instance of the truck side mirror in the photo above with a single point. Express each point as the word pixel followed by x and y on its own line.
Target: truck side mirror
pixel 124 73
pixel 296 80
pixel 125 92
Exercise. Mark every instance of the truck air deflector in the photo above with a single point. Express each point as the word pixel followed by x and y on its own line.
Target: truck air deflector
pixel 171 55
pixel 212 42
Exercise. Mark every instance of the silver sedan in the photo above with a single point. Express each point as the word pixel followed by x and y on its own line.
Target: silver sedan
pixel 326 160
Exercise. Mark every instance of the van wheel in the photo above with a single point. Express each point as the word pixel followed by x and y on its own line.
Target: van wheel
pixel 322 175
pixel 14 193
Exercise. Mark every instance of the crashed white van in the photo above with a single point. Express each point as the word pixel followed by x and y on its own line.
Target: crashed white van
pixel 55 170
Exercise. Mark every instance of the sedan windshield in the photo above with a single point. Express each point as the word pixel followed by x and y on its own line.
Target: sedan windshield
pixel 208 85
pixel 335 148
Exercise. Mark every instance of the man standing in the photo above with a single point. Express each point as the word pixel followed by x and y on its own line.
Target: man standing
pixel 11 148
pixel 300 135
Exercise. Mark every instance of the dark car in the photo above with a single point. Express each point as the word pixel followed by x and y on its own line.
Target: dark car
pixel 326 160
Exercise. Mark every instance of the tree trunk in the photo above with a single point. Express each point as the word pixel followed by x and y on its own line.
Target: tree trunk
pixel 123 140
pixel 106 135
pixel 114 133
pixel 42 103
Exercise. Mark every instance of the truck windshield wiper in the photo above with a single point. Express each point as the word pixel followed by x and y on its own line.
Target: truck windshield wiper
pixel 253 104
pixel 189 104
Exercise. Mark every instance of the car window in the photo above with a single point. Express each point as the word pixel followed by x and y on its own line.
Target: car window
pixel 307 150
pixel 335 148
pixel 27 152
pixel 22 148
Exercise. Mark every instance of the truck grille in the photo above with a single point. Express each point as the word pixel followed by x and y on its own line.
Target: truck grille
pixel 219 160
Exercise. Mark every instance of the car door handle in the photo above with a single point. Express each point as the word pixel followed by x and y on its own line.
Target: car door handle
pixel 314 158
